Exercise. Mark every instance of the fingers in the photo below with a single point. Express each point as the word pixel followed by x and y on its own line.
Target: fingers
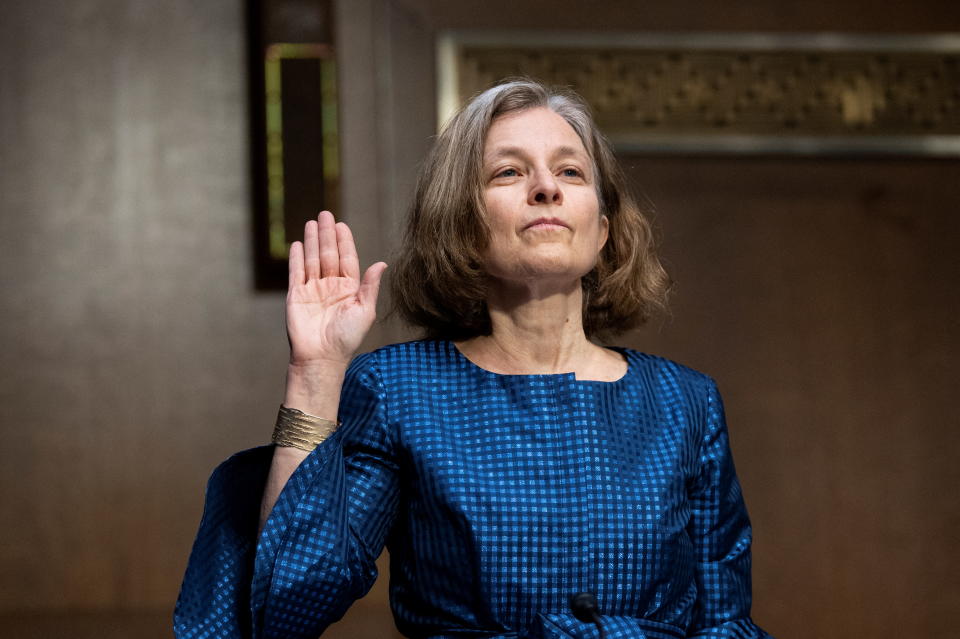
pixel 328 250
pixel 296 265
pixel 329 255
pixel 370 286
pixel 349 262
pixel 311 251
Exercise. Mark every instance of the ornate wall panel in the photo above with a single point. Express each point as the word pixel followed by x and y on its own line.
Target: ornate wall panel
pixel 823 93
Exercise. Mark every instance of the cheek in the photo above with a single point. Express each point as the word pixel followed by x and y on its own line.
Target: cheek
pixel 498 218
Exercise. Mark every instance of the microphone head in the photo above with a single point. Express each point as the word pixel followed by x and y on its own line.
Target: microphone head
pixel 584 607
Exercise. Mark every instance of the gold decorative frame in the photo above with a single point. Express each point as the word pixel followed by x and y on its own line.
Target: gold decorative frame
pixel 822 93
pixel 294 140
pixel 279 243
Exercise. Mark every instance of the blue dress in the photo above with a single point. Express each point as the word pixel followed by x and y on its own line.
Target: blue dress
pixel 499 497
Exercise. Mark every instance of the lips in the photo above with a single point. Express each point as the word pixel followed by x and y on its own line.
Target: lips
pixel 546 222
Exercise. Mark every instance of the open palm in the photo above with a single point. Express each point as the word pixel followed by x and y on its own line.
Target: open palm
pixel 329 308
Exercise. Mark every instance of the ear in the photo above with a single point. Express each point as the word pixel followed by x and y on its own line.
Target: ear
pixel 604 232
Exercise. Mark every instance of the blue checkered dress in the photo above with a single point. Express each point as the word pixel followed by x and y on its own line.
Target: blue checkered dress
pixel 499 497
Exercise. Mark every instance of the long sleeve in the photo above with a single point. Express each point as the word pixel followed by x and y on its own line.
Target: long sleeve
pixel 318 548
pixel 214 597
pixel 721 534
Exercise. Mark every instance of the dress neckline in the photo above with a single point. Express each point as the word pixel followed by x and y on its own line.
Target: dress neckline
pixel 570 376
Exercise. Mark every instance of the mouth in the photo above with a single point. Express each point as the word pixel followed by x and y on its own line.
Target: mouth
pixel 546 224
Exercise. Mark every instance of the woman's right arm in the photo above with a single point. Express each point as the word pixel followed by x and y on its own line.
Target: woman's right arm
pixel 317 544
pixel 329 311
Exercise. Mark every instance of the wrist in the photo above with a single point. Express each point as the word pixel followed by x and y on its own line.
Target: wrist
pixel 315 389
pixel 318 364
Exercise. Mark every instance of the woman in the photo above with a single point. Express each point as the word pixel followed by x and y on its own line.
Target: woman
pixel 507 461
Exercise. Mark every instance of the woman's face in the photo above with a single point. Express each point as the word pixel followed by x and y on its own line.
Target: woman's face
pixel 541 200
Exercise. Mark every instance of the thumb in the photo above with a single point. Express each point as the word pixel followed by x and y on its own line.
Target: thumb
pixel 370 285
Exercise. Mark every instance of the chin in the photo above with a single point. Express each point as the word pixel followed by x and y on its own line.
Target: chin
pixel 543 265
pixel 546 271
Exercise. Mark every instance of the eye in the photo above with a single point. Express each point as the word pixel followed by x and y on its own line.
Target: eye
pixel 572 172
pixel 507 173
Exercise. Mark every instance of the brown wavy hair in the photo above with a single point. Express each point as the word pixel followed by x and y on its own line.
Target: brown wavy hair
pixel 438 282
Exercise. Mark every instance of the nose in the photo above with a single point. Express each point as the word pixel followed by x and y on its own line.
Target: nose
pixel 544 189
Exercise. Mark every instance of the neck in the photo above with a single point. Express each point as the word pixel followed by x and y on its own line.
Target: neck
pixel 534 331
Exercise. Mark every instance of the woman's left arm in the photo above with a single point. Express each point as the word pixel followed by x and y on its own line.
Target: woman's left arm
pixel 720 531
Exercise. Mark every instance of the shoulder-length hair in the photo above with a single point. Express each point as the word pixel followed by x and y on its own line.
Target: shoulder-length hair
pixel 438 280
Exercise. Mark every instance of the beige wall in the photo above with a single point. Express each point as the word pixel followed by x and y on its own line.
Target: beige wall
pixel 136 355
pixel 134 350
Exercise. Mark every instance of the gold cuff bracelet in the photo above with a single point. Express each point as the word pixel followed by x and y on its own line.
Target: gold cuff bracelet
pixel 300 430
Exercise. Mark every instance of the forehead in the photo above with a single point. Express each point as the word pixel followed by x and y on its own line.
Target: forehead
pixel 532 131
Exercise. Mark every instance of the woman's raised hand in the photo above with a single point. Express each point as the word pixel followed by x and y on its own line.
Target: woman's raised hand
pixel 329 311
pixel 329 308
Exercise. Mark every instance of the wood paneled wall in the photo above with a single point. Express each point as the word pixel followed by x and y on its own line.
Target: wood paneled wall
pixel 823 296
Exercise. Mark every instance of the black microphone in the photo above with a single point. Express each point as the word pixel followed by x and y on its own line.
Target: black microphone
pixel 584 607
